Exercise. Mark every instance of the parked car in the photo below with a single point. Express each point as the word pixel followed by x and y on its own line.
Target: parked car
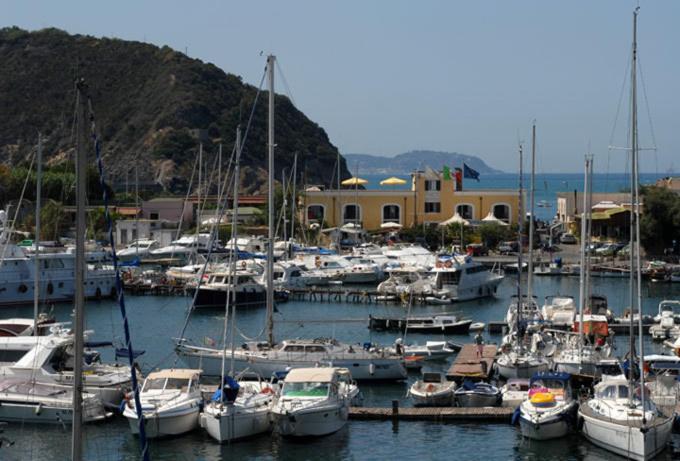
pixel 568 239
pixel 608 249
pixel 477 249
pixel 624 252
pixel 592 248
pixel 505 248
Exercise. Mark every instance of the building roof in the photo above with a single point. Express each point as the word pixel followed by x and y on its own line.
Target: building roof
pixel 608 213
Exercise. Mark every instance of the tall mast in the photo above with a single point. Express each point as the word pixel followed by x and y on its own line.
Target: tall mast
pixel 520 214
pixel 339 210
pixel 293 205
pixel 234 248
pixel 530 267
pixel 137 209
pixel 283 205
pixel 584 241
pixel 271 60
pixel 36 281
pixel 79 299
pixel 198 193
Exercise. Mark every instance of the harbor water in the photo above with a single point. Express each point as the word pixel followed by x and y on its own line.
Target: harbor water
pixel 156 322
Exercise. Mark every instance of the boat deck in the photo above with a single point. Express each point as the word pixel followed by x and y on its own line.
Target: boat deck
pixel 469 365
pixel 587 411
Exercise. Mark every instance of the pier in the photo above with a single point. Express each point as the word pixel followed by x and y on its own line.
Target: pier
pixel 469 364
pixel 485 414
pixel 620 329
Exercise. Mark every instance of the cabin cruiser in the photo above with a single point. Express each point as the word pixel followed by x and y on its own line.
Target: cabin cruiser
pixel 138 249
pixel 28 401
pixel 244 290
pixel 404 281
pixel 432 391
pixel 439 323
pixel 238 410
pixel 171 402
pixel 362 270
pixel 57 279
pixel 288 275
pixel 559 311
pixel 185 247
pixel 458 278
pixel 619 422
pixel 665 326
pixel 367 362
pixel 313 402
pixel 49 359
pixel 431 350
pixel 477 394
pixel 26 327
pixel 550 410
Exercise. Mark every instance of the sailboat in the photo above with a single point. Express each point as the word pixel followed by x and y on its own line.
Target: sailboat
pixel 620 417
pixel 516 360
pixel 266 358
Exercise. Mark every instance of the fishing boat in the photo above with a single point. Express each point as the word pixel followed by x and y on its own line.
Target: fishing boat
pixel 432 391
pixel 171 402
pixel 313 402
pixel 477 394
pixel 439 323
pixel 550 410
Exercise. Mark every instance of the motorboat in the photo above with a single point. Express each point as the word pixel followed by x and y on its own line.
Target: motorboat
pixel 477 394
pixel 618 421
pixel 559 311
pixel 313 402
pixel 432 391
pixel 245 291
pixel 367 361
pixel 438 323
pixel 171 402
pixel 514 392
pixel 25 326
pixel 459 278
pixel 549 412
pixel 665 326
pixel 28 401
pixel 240 409
pixel 431 350
pixel 137 249
pixel 407 280
pixel 663 384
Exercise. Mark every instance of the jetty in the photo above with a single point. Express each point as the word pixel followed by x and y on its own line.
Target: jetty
pixel 480 414
pixel 621 328
pixel 470 365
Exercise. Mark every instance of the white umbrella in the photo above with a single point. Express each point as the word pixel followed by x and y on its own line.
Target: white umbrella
pixel 490 218
pixel 390 225
pixel 455 219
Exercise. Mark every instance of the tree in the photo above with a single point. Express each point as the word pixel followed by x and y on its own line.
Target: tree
pixel 660 220
pixel 492 234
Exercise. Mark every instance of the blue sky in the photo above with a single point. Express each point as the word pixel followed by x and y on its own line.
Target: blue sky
pixel 385 77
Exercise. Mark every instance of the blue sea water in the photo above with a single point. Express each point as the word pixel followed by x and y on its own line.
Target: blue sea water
pixel 155 321
pixel 547 185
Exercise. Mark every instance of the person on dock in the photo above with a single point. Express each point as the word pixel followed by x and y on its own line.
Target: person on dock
pixel 479 340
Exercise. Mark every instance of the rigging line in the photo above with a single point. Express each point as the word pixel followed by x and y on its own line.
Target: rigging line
pixel 8 237
pixel 616 118
pixel 245 138
pixel 119 287
pixel 285 84
pixel 649 118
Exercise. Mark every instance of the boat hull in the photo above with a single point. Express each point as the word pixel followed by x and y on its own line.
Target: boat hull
pixel 225 427
pixel 311 423
pixel 164 425
pixel 217 298
pixel 477 400
pixel 521 371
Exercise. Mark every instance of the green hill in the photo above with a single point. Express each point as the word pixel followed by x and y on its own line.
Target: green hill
pixel 152 105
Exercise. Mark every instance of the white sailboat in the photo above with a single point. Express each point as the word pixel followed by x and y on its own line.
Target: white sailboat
pixel 620 417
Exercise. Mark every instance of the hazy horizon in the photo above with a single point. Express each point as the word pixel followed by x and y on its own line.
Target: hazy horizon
pixel 385 78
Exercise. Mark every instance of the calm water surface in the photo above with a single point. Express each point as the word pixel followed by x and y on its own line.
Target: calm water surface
pixel 155 321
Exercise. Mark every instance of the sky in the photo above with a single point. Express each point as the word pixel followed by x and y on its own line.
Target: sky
pixel 385 77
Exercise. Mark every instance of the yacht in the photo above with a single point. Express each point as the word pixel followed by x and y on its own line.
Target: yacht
pixel 245 290
pixel 138 249
pixel 185 247
pixel 367 362
pixel 438 323
pixel 514 392
pixel 459 278
pixel 171 403
pixel 559 311
pixel 313 402
pixel 550 410
pixel 404 281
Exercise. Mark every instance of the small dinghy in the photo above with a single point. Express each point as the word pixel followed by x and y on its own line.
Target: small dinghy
pixel 171 402
pixel 514 392
pixel 472 394
pixel 477 326
pixel 438 301
pixel 432 350
pixel 432 391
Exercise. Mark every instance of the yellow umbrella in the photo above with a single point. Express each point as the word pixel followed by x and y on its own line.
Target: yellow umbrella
pixel 393 181
pixel 354 182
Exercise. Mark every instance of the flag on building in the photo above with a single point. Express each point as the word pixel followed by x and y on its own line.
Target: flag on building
pixel 470 173
pixel 446 173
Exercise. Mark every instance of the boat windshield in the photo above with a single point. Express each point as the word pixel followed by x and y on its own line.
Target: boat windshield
pixel 166 383
pixel 613 392
pixel 305 389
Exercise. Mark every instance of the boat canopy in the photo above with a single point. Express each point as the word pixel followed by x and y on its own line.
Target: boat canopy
pixel 176 373
pixel 551 375
pixel 314 375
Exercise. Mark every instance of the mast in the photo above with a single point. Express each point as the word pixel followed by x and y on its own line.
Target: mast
pixel 293 206
pixel 234 248
pixel 137 209
pixel 584 240
pixel 339 210
pixel 530 267
pixel 79 298
pixel 520 213
pixel 271 60
pixel 198 193
pixel 283 206
pixel 36 281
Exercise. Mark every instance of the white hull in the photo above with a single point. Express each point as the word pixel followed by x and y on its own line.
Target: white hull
pixel 44 414
pixel 232 426
pixel 477 400
pixel 625 440
pixel 574 368
pixel 163 425
pixel 523 371
pixel 311 422
pixel 443 399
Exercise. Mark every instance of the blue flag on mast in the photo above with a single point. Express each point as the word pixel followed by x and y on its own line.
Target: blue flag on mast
pixel 470 173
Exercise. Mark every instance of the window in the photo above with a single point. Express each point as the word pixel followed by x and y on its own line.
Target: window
pixel 433 184
pixel 502 212
pixel 433 207
pixel 153 216
pixel 391 213
pixel 352 213
pixel 465 211
pixel 315 213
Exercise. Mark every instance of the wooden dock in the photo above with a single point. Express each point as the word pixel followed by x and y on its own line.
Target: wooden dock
pixel 621 329
pixel 469 365
pixel 486 414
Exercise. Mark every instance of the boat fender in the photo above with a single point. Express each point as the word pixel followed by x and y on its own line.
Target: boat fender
pixel 38 409
pixel 515 416
pixel 371 368
pixel 267 390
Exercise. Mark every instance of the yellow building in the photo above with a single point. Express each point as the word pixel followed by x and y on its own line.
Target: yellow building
pixel 431 199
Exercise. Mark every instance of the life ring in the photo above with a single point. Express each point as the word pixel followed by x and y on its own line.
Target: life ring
pixel 243 264
pixel 267 390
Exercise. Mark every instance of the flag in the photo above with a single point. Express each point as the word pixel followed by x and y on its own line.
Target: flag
pixel 470 173
pixel 447 173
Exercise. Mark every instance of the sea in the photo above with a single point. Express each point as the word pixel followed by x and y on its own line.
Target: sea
pixel 155 322
pixel 546 185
